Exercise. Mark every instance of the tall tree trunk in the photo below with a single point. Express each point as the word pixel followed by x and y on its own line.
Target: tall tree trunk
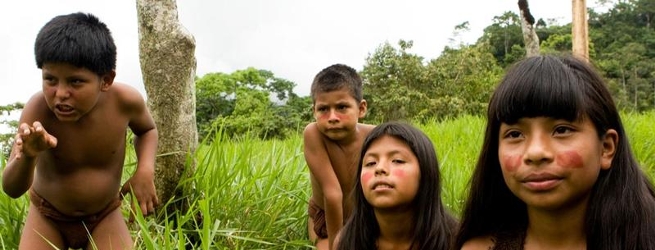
pixel 580 29
pixel 169 67
pixel 530 37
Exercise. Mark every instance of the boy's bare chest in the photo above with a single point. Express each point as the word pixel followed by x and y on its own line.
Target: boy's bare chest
pixel 95 141
pixel 344 163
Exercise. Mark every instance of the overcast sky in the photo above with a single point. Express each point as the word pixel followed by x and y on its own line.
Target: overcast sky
pixel 292 38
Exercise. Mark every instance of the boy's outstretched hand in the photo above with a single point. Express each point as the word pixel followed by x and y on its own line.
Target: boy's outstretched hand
pixel 30 140
pixel 143 187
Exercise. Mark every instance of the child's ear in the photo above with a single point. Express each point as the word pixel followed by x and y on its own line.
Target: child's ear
pixel 107 80
pixel 362 108
pixel 610 142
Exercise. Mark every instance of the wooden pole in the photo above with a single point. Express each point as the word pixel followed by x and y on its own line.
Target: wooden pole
pixel 580 29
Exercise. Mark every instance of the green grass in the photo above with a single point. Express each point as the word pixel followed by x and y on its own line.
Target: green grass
pixel 252 194
pixel 457 143
pixel 641 136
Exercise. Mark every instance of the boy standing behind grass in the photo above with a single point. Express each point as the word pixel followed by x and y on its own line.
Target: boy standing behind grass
pixel 332 145
pixel 70 145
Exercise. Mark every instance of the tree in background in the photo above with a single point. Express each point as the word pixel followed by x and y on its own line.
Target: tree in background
pixel 461 81
pixel 502 35
pixel 623 40
pixel 530 38
pixel 168 64
pixel 249 102
pixel 393 80
pixel 580 29
pixel 398 86
pixel 620 42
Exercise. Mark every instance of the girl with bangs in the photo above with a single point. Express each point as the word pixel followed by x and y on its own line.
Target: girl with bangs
pixel 397 195
pixel 556 170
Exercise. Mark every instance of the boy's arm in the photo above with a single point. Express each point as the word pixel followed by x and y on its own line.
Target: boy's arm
pixel 320 167
pixel 145 144
pixel 31 138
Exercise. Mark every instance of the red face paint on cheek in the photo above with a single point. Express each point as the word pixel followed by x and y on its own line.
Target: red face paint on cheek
pixel 511 162
pixel 341 117
pixel 398 173
pixel 569 159
pixel 366 176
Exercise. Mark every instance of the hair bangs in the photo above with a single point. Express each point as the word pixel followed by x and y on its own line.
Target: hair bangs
pixel 546 88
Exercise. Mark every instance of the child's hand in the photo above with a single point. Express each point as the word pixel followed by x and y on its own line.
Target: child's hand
pixel 30 140
pixel 143 187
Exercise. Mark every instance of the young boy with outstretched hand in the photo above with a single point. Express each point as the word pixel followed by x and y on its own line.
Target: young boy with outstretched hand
pixel 70 145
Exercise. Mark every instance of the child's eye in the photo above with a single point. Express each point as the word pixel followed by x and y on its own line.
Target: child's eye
pixel 513 134
pixel 342 107
pixel 369 163
pixel 562 130
pixel 321 109
pixel 48 80
pixel 399 161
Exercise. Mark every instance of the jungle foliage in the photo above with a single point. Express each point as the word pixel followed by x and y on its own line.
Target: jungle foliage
pixel 401 85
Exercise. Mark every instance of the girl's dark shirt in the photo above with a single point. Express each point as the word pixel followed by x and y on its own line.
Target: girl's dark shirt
pixel 508 240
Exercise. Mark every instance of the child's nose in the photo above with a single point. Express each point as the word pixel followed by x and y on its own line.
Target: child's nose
pixel 62 91
pixel 333 116
pixel 381 169
pixel 538 150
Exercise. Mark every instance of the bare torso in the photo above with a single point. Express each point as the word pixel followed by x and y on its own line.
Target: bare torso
pixel 83 173
pixel 344 160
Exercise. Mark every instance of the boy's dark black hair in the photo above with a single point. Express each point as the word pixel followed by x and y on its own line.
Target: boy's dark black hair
pixel 79 39
pixel 336 77
pixel 621 209
pixel 434 227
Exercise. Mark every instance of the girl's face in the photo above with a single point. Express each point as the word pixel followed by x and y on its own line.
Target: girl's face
pixel 390 173
pixel 553 164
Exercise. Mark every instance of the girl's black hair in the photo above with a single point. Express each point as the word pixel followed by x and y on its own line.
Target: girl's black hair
pixel 434 227
pixel 621 210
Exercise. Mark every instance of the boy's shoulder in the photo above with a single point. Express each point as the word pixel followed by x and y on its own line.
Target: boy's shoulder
pixel 364 128
pixel 126 95
pixel 125 91
pixel 312 133
pixel 310 129
pixel 36 108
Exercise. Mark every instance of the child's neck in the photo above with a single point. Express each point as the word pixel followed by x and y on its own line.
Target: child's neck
pixel 351 140
pixel 560 229
pixel 396 229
